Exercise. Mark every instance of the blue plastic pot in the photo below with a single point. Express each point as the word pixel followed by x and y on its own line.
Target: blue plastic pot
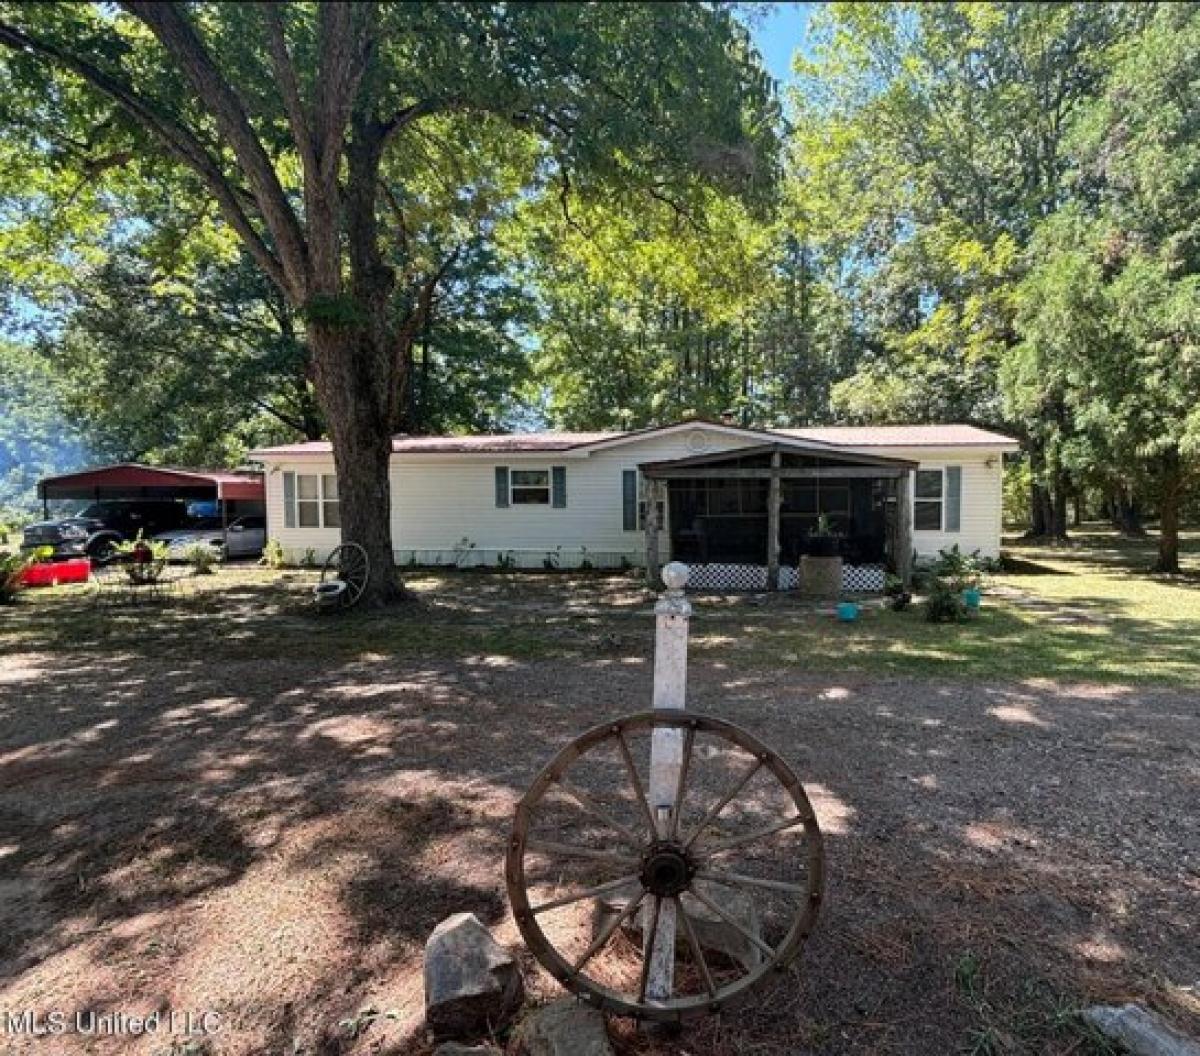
pixel 847 611
pixel 972 597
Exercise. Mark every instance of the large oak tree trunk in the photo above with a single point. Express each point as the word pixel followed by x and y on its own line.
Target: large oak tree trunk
pixel 1168 526
pixel 1127 513
pixel 1047 498
pixel 350 380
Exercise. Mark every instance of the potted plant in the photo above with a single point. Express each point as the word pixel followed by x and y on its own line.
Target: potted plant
pixel 146 559
pixel 848 610
pixel 964 572
pixel 821 564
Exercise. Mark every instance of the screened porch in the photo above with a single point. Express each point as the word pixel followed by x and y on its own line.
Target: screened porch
pixel 766 507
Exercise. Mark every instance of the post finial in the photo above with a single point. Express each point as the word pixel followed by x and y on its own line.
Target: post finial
pixel 675 576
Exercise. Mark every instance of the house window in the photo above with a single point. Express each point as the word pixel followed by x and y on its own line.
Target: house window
pixel 529 487
pixel 928 500
pixel 317 501
pixel 330 510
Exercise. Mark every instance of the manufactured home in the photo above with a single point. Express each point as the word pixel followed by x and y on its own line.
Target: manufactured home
pixel 739 505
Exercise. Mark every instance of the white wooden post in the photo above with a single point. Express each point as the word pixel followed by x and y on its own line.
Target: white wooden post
pixel 672 614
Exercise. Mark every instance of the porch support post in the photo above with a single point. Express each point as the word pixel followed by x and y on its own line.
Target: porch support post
pixel 773 503
pixel 904 544
pixel 654 490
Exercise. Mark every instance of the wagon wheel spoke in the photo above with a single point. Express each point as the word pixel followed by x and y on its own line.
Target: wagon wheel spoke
pixel 636 781
pixel 685 764
pixel 694 944
pixel 593 809
pixel 737 926
pixel 722 803
pixel 570 850
pixel 592 892
pixel 741 880
pixel 608 931
pixel 752 837
pixel 648 947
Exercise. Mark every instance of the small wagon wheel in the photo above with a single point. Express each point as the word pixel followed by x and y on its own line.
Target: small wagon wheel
pixel 738 826
pixel 344 576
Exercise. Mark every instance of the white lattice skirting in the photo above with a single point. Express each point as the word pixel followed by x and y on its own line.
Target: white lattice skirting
pixel 856 579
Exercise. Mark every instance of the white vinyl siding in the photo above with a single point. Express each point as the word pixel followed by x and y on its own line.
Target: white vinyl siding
pixel 299 539
pixel 979 498
pixel 443 501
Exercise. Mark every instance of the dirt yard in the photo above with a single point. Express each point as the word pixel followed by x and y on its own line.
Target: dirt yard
pixel 229 805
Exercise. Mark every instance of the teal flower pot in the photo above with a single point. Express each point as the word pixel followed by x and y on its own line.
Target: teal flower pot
pixel 847 611
pixel 972 598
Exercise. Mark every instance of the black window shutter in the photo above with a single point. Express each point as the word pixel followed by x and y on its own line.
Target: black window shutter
pixel 629 499
pixel 558 487
pixel 289 500
pixel 953 498
pixel 502 485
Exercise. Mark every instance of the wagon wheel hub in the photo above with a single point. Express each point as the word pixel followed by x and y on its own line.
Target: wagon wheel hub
pixel 667 869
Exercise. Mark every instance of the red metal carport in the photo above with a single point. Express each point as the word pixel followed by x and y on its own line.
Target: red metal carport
pixel 131 480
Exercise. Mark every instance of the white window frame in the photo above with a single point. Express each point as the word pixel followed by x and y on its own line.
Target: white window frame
pixel 514 487
pixel 322 501
pixel 940 500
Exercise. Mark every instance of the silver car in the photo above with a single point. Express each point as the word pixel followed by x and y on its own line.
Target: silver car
pixel 245 538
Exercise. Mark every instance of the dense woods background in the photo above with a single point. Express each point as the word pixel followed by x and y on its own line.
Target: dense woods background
pixel 985 213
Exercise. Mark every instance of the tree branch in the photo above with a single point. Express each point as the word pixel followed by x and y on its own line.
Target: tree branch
pixel 342 61
pixel 179 142
pixel 180 40
pixel 289 87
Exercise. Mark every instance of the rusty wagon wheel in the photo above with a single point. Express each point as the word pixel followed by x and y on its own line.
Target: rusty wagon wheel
pixel 734 855
pixel 343 577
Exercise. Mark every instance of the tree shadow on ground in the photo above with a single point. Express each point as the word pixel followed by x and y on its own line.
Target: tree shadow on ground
pixel 246 808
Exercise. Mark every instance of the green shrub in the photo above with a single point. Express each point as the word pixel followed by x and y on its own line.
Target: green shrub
pixel 272 555
pixel 506 562
pixel 11 567
pixel 203 557
pixel 944 602
pixel 964 569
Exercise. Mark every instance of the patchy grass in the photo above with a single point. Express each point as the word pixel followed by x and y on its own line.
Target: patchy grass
pixel 1087 613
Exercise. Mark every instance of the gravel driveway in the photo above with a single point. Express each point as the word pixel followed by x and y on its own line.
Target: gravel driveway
pixel 271 837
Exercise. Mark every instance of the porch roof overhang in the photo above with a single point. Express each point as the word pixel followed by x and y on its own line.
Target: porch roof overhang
pixel 841 464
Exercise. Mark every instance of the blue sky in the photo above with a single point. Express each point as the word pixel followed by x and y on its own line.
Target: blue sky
pixel 779 29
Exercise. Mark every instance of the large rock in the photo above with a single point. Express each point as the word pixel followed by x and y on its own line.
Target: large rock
pixel 472 984
pixel 714 934
pixel 1140 1031
pixel 563 1028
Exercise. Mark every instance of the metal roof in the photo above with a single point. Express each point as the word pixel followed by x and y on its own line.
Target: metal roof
pixel 953 435
pixel 134 480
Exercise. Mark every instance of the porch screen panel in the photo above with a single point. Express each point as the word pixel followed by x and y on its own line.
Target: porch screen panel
pixel 629 500
pixel 953 498
pixel 502 485
pixel 558 487
pixel 289 500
